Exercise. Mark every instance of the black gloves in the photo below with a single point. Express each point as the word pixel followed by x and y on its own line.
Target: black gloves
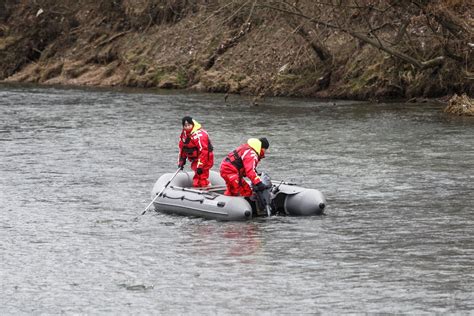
pixel 259 187
pixel 182 162
pixel 199 171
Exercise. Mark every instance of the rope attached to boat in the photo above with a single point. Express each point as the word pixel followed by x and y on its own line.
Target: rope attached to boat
pixel 184 198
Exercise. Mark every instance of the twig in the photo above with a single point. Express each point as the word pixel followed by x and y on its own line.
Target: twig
pixel 235 13
pixel 213 13
pixel 111 38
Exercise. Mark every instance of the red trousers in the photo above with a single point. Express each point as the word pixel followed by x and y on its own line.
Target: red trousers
pixel 200 180
pixel 236 185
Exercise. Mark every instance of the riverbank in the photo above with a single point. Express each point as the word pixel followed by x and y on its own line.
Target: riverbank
pixel 226 48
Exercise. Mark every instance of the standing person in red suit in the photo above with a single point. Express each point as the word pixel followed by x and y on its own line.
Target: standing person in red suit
pixel 242 162
pixel 195 146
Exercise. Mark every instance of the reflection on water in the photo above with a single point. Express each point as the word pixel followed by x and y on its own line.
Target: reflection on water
pixel 240 240
pixel 77 167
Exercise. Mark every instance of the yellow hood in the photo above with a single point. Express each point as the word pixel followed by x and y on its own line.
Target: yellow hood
pixel 196 126
pixel 255 144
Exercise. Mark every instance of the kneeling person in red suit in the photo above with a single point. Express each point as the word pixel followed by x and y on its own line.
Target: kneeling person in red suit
pixel 242 162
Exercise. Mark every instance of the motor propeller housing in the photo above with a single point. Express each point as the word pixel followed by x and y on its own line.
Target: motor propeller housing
pixel 265 197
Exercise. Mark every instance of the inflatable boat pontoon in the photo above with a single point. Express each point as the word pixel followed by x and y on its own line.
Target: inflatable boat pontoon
pixel 179 197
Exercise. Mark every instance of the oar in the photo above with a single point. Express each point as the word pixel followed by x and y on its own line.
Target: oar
pixel 162 190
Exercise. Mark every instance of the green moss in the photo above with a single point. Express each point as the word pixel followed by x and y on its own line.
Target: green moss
pixel 142 66
pixel 286 78
pixel 363 76
pixel 158 76
pixel 181 78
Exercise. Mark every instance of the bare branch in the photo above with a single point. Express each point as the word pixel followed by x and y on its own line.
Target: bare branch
pixel 377 43
pixel 422 65
pixel 213 13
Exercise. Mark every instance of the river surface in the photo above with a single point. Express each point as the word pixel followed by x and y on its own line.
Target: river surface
pixel 77 168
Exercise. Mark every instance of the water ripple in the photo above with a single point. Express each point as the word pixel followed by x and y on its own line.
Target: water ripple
pixel 78 166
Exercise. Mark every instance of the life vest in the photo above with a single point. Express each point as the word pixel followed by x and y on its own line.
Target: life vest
pixel 235 159
pixel 253 148
pixel 196 145
pixel 244 161
pixel 191 149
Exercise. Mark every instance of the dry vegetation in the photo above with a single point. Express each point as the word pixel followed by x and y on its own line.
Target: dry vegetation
pixel 352 49
pixel 460 105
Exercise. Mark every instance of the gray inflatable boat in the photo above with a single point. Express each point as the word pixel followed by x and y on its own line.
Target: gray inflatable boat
pixel 280 198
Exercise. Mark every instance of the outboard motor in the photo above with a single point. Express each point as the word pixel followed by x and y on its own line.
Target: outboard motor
pixel 264 198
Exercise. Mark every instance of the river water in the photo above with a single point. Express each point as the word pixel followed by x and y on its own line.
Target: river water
pixel 77 167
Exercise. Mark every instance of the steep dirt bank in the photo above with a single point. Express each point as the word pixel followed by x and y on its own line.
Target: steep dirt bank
pixel 231 47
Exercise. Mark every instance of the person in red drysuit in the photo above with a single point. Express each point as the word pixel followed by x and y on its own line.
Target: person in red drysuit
pixel 195 146
pixel 242 162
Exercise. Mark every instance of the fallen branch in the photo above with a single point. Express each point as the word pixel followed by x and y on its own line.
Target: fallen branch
pixel 223 47
pixel 104 42
pixel 419 64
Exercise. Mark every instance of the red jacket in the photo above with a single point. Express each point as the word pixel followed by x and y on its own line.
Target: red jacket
pixel 196 145
pixel 243 160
